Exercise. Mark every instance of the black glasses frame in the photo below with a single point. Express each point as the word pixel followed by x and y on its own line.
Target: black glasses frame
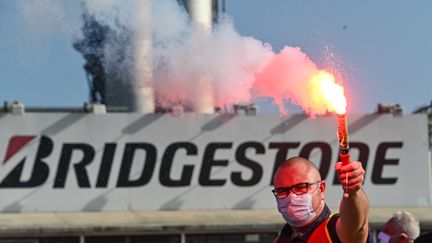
pixel 306 185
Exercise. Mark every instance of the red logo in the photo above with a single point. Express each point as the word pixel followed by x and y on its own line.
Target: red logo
pixel 16 143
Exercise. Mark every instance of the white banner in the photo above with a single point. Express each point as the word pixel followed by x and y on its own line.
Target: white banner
pixel 89 162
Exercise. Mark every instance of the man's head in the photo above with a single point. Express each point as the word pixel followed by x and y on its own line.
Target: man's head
pixel 298 181
pixel 400 228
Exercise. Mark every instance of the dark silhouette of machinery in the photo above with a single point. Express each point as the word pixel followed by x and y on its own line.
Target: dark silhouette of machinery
pixel 91 47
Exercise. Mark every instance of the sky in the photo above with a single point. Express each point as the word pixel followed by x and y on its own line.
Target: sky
pixel 382 49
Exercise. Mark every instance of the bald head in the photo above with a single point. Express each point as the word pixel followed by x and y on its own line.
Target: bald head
pixel 296 170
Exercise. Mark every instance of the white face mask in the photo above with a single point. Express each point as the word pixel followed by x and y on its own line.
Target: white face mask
pixel 383 237
pixel 297 210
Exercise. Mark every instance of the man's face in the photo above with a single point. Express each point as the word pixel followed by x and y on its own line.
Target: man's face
pixel 300 173
pixel 392 234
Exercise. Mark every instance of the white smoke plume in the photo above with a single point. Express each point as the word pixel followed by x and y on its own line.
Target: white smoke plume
pixel 240 69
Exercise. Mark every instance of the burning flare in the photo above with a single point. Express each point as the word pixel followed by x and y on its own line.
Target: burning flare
pixel 332 94
pixel 326 90
pixel 334 97
pixel 342 132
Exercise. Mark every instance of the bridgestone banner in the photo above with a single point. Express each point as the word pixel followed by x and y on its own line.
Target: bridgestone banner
pixel 88 162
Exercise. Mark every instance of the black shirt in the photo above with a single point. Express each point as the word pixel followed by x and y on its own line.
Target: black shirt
pixel 425 238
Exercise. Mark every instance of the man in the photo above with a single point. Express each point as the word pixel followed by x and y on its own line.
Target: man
pixel 401 228
pixel 300 194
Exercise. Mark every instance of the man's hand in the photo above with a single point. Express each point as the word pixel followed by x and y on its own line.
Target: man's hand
pixel 351 175
pixel 352 225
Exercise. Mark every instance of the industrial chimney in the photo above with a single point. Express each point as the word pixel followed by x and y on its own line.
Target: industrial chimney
pixel 143 95
pixel 119 62
pixel 119 58
pixel 202 13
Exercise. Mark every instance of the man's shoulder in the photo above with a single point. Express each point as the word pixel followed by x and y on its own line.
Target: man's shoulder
pixel 331 227
pixel 424 238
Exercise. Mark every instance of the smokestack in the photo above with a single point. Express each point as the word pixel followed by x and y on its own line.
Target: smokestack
pixel 201 12
pixel 119 62
pixel 143 91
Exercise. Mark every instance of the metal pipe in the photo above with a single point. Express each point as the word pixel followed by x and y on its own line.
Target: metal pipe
pixel 201 12
pixel 143 91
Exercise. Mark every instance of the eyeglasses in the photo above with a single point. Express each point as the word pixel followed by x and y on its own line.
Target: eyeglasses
pixel 298 189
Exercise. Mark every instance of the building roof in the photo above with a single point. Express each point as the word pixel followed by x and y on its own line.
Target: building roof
pixel 167 222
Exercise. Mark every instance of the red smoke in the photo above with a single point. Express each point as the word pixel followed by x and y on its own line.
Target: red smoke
pixel 285 78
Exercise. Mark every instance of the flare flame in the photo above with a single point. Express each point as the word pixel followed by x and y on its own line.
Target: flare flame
pixel 332 94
